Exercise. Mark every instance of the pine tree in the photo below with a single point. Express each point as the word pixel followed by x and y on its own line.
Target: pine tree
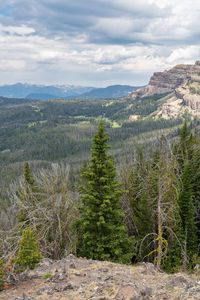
pixel 195 179
pixel 29 253
pixel 188 215
pixel 28 195
pixel 104 235
pixel 139 194
pixel 188 174
pixel 28 174
pixel 184 148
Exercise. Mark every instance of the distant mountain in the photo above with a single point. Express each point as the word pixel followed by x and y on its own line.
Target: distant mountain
pixel 113 91
pixel 38 96
pixel 42 92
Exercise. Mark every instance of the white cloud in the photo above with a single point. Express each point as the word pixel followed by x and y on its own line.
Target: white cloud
pixel 16 30
pixel 78 41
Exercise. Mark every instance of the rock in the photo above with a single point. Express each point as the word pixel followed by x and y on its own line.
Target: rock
pixel 24 297
pixel 63 287
pixel 127 292
pixel 72 265
pixel 45 262
pixel 11 279
pixel 180 281
pixel 146 293
pixel 71 257
pixel 167 81
pixel 149 268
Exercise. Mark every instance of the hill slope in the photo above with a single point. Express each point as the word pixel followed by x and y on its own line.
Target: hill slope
pixel 81 279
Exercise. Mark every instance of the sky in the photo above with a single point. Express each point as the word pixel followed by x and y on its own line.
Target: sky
pixel 95 42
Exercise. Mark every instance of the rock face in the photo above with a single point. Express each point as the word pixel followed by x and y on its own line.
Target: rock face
pixel 182 84
pixel 82 279
pixel 168 81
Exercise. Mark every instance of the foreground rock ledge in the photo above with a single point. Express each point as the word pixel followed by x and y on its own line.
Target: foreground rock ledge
pixel 81 279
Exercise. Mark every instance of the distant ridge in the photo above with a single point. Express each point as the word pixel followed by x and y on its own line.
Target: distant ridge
pixel 43 92
pixel 113 91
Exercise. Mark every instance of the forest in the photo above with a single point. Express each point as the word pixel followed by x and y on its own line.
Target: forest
pixel 43 132
pixel 145 207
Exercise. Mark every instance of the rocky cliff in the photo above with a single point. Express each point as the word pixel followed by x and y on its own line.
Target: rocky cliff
pixel 182 84
pixel 82 279
pixel 169 80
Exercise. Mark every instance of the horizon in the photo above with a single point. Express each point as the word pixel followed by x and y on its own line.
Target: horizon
pixel 95 44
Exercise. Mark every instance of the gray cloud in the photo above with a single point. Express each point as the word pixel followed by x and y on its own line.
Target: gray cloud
pixel 122 40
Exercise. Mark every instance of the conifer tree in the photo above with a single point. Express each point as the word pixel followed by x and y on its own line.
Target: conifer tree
pixel 27 195
pixel 188 214
pixel 195 179
pixel 28 174
pixel 184 151
pixel 103 233
pixel 184 148
pixel 29 253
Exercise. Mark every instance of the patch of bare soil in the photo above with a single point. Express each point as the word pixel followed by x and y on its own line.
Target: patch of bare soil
pixel 81 279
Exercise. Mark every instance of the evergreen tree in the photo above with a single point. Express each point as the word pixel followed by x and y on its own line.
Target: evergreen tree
pixel 104 235
pixel 195 179
pixel 139 194
pixel 29 253
pixel 188 215
pixel 184 149
pixel 27 195
pixel 28 174
pixel 188 174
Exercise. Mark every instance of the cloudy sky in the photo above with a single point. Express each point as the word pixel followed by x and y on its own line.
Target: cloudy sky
pixel 95 42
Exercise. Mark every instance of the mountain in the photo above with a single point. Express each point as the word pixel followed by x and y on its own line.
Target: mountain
pixel 43 92
pixel 180 88
pixel 113 91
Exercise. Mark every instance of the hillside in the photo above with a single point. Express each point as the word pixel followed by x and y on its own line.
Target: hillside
pixel 46 131
pixel 81 279
pixel 181 84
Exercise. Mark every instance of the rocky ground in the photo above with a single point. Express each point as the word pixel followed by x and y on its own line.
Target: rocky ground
pixel 81 279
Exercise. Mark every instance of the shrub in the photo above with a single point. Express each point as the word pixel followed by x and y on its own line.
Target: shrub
pixel 1 274
pixel 29 253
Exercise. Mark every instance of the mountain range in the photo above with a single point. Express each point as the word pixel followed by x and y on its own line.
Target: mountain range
pixel 46 92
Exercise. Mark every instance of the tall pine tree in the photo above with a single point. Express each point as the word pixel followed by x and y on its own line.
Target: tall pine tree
pixel 103 233
pixel 188 216
pixel 184 151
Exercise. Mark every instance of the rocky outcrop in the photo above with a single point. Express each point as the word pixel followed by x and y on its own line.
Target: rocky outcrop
pixel 167 81
pixel 82 279
pixel 184 100
pixel 181 84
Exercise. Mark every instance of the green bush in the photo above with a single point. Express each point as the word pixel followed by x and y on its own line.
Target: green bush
pixel 1 274
pixel 29 253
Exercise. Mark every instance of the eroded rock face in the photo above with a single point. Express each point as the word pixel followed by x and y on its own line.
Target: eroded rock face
pixel 169 80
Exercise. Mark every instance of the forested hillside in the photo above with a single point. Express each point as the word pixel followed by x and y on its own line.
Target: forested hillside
pixel 48 131
pixel 144 209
